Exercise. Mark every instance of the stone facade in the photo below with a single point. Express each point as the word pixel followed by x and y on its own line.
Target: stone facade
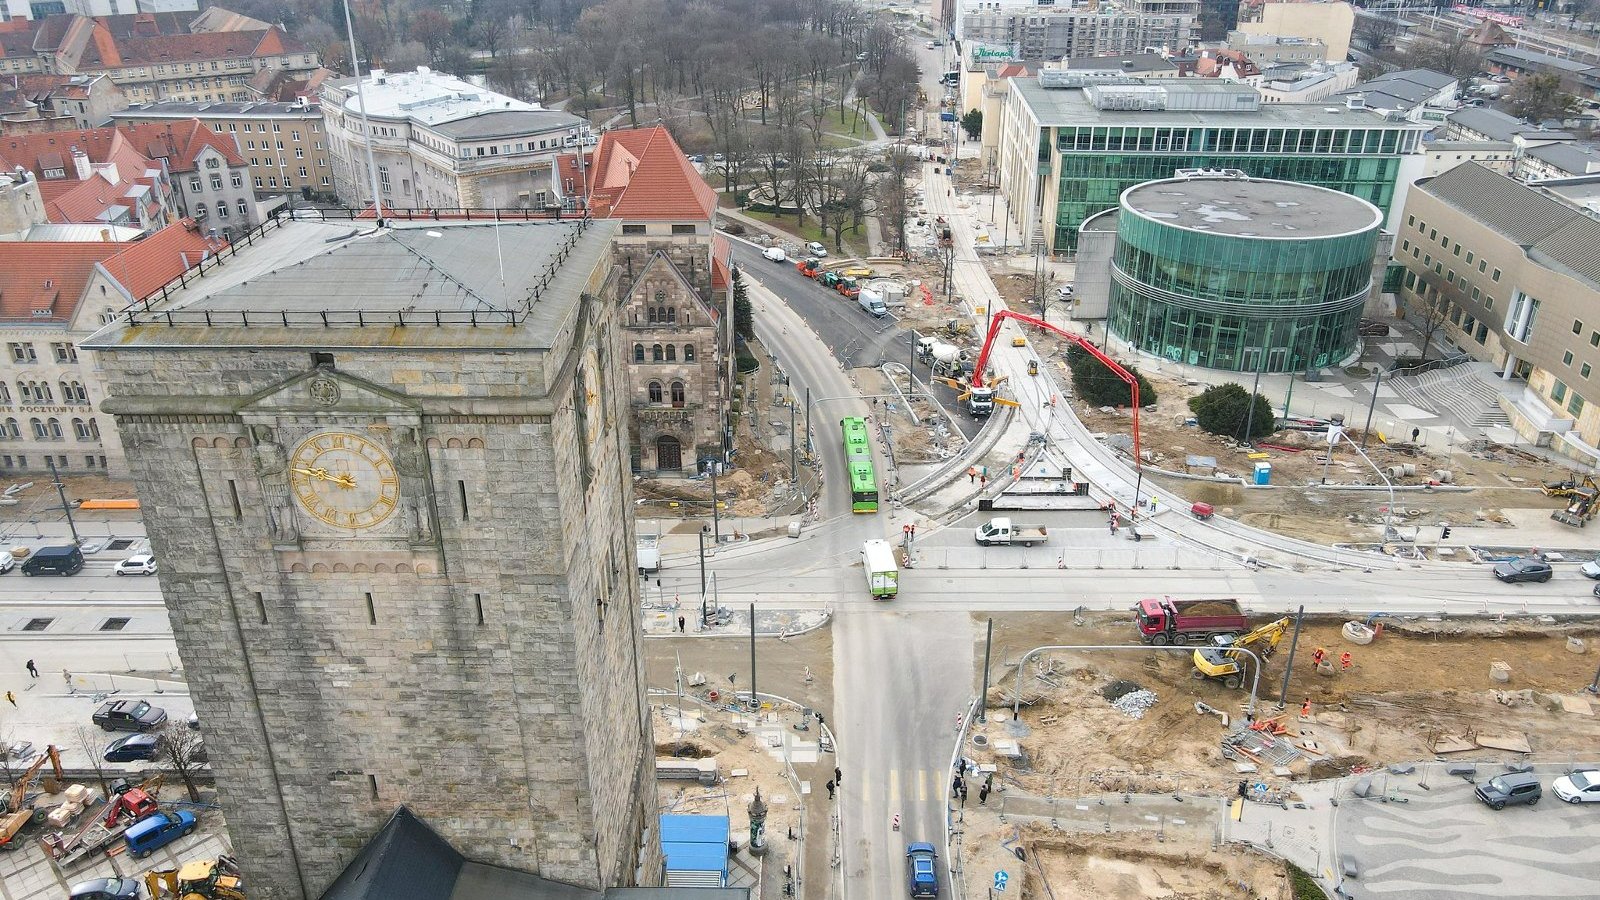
pixel 474 652
pixel 671 338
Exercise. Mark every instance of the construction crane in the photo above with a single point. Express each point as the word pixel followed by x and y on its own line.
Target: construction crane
pixel 982 387
pixel 203 879
pixel 17 811
pixel 1222 662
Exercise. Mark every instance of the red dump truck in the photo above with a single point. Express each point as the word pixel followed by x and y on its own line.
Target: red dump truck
pixel 1169 621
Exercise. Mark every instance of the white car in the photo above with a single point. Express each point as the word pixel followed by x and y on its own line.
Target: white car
pixel 7 561
pixel 142 564
pixel 1579 787
pixel 775 254
pixel 1589 569
pixel 816 249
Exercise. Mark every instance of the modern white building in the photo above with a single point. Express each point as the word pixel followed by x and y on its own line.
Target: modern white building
pixel 442 143
pixel 1049 32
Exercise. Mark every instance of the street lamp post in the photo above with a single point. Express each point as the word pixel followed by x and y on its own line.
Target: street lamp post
pixel 61 491
pixel 702 534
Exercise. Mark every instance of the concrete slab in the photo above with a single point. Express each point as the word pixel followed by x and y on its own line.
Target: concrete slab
pixel 1408 412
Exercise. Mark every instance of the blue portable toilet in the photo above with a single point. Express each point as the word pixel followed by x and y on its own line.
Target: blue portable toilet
pixel 1263 473
pixel 696 850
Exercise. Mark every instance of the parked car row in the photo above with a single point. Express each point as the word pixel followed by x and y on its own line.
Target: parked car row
pixel 1525 789
pixel 67 559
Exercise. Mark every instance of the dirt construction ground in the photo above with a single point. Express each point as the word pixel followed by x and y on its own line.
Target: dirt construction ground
pixel 1416 682
pixel 1123 865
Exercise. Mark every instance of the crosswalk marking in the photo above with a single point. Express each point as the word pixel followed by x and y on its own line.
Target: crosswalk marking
pixel 894 785
pixel 922 786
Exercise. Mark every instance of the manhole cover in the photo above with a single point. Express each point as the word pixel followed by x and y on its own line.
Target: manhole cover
pixel 980 740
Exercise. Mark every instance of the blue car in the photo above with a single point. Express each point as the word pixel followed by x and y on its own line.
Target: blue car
pixel 920 869
pixel 157 830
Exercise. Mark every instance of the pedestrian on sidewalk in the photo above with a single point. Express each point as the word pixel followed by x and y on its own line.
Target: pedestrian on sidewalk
pixel 831 788
pixel 67 677
pixel 33 670
pixel 983 795
pixel 956 786
pixel 11 698
pixel 682 626
pixel 838 776
pixel 972 475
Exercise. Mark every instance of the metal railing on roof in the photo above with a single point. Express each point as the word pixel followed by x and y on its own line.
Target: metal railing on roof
pixel 149 309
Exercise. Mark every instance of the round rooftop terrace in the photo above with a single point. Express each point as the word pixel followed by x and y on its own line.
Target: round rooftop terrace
pixel 1250 207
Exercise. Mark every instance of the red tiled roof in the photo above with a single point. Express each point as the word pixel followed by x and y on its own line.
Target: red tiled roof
pixel 69 199
pixel 639 173
pixel 52 275
pixel 721 259
pixel 180 142
pixel 108 50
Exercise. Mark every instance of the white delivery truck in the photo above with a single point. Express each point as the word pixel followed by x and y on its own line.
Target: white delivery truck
pixel 883 573
pixel 1004 531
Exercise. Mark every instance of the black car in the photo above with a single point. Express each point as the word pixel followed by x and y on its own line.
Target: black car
pixel 134 748
pixel 106 889
pixel 130 715
pixel 1523 569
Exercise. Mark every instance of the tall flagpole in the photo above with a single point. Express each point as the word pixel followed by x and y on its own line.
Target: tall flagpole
pixel 366 123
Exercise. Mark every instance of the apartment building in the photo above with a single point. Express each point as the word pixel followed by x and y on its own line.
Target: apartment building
pixel 38 9
pixel 210 181
pixel 283 144
pixel 156 56
pixel 54 294
pixel 1050 33
pixel 442 143
pixel 1513 272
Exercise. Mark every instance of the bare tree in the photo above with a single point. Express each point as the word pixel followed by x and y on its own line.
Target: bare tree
pixel 431 28
pixel 1451 54
pixel 89 741
pixel 490 33
pixel 894 194
pixel 1540 97
pixel 184 749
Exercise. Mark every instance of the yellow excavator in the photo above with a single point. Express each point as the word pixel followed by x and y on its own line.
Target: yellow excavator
pixel 1569 487
pixel 1224 662
pixel 203 879
pixel 17 812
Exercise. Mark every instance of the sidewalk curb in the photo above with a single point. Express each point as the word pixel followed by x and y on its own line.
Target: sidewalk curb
pixel 827 619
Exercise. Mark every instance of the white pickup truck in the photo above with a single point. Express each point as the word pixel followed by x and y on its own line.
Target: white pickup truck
pixel 1004 531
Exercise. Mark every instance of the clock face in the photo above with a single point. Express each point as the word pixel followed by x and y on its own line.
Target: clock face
pixel 344 479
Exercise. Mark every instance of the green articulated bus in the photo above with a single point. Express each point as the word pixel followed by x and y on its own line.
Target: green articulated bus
pixel 858 460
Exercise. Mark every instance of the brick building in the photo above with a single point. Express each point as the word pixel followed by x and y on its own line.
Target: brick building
pixel 676 321
pixel 96 176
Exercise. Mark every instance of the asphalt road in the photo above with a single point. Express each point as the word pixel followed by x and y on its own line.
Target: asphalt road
pixel 849 334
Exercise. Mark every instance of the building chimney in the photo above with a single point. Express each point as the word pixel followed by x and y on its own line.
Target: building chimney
pixel 80 164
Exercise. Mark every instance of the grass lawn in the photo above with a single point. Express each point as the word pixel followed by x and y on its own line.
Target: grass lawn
pixel 811 232
pixel 860 130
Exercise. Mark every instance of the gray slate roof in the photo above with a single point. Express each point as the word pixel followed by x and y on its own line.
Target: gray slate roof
pixel 1555 234
pixel 1499 126
pixel 1529 58
pixel 508 123
pixel 1573 158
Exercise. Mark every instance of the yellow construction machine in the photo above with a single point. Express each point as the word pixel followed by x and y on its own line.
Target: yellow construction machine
pixel 1223 662
pixel 1569 487
pixel 203 879
pixel 17 812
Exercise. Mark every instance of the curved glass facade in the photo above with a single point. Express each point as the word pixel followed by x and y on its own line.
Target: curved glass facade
pixel 1239 302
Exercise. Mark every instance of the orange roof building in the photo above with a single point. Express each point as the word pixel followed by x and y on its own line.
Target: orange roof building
pixel 54 294
pixel 676 279
pixel 94 176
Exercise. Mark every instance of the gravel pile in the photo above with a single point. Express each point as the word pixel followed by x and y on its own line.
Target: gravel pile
pixel 1134 703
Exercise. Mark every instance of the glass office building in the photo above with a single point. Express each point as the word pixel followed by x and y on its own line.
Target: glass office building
pixel 1242 274
pixel 1070 147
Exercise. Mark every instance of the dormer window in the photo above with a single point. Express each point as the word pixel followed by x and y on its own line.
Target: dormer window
pixel 55 173
pixel 42 313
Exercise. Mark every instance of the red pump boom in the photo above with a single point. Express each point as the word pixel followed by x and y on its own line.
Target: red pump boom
pixel 1108 362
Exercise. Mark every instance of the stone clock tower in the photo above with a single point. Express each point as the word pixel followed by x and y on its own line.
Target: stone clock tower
pixel 386 477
